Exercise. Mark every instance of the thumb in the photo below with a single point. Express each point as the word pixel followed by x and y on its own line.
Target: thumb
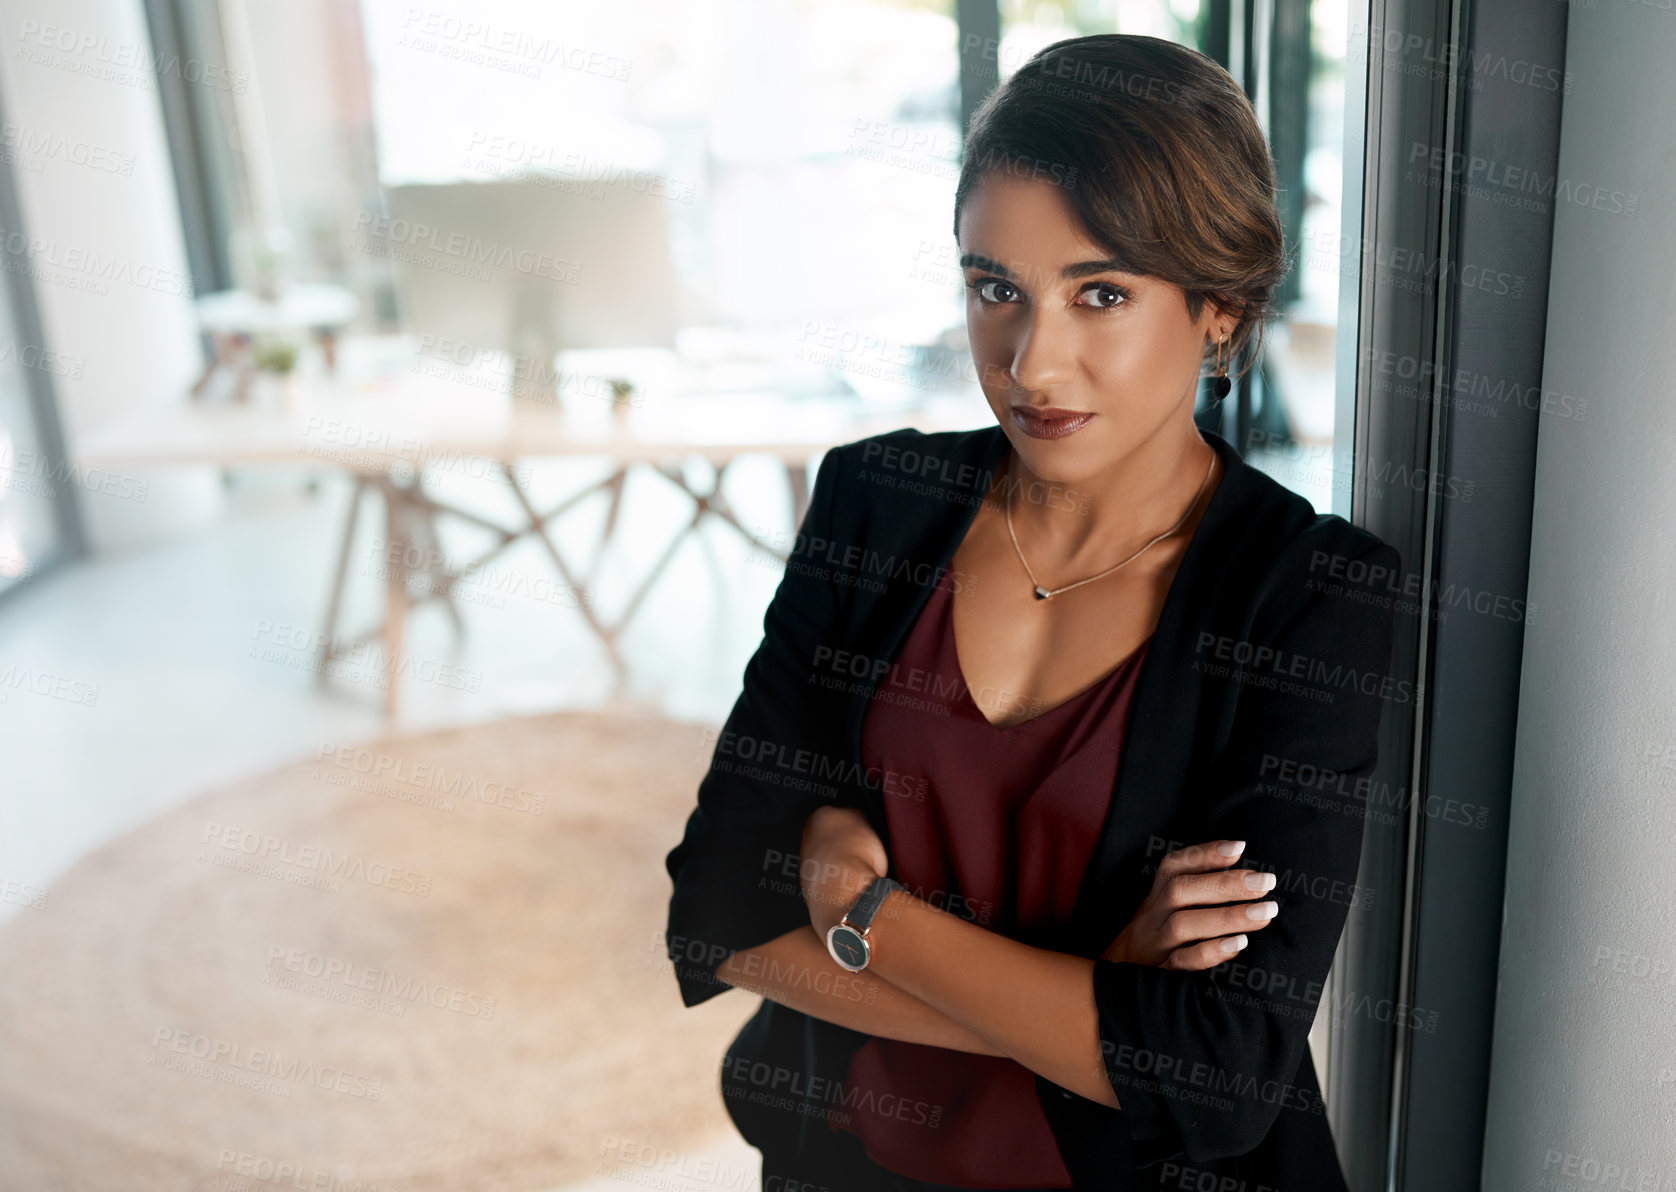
pixel 874 852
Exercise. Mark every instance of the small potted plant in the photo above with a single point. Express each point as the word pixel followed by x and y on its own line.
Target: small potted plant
pixel 275 361
pixel 624 397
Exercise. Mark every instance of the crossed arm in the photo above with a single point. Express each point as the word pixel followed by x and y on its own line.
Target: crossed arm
pixel 796 970
pixel 938 979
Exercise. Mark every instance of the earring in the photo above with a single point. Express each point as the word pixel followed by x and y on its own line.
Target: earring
pixel 1222 384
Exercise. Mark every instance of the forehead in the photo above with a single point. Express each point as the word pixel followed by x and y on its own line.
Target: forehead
pixel 1004 206
pixel 1026 226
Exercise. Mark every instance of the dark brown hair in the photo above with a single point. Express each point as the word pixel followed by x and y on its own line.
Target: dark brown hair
pixel 1161 157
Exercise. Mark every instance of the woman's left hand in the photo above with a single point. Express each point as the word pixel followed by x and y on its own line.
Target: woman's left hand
pixel 841 856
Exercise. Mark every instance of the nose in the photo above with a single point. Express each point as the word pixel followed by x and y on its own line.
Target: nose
pixel 1044 356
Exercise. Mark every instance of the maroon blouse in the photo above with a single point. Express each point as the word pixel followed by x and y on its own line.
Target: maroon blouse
pixel 996 825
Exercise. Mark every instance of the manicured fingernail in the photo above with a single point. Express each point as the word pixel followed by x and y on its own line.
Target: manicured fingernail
pixel 1263 910
pixel 1231 848
pixel 1261 882
pixel 1233 943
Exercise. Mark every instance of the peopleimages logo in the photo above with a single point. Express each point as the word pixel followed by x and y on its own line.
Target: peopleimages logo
pixel 321 859
pixel 1264 665
pixel 217 1057
pixel 1388 587
pixel 740 1075
pixel 728 751
pixel 464 248
pixel 454 784
pixel 1172 1076
pixel 360 978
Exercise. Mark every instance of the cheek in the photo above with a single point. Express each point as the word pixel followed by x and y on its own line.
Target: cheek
pixel 1115 366
pixel 1141 353
pixel 990 352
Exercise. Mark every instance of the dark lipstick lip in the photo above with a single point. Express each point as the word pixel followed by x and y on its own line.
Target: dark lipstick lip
pixel 1050 422
pixel 1051 411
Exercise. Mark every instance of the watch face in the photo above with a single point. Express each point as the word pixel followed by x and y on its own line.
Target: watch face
pixel 847 947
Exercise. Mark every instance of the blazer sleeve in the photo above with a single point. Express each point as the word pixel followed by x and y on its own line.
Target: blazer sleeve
pixel 1209 1058
pixel 773 762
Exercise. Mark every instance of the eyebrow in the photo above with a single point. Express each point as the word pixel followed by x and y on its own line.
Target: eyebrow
pixel 974 260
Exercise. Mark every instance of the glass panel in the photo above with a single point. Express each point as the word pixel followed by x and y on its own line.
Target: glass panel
pixel 1292 434
pixel 29 526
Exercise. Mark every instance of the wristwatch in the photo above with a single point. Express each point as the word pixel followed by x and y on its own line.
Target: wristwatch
pixel 847 938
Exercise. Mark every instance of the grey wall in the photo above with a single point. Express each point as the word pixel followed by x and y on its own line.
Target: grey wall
pixel 1583 1080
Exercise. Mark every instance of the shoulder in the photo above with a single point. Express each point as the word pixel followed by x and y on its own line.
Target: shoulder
pixel 1301 555
pixel 897 470
pixel 908 449
pixel 1266 535
pixel 1286 522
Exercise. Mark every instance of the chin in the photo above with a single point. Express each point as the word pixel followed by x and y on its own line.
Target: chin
pixel 1083 454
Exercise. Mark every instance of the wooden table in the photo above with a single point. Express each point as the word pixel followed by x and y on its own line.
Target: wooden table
pixel 389 433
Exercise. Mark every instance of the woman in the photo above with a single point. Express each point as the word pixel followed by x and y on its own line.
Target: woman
pixel 1038 819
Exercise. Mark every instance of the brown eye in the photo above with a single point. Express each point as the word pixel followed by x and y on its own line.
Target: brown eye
pixel 993 290
pixel 1108 295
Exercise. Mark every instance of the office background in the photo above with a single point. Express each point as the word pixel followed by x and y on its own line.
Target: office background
pixel 312 516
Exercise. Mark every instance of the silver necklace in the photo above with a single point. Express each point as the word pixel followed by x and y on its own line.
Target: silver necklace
pixel 1048 593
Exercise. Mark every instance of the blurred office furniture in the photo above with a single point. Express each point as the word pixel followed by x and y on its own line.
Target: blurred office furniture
pixel 531 268
pixel 234 319
pixel 389 433
pixel 521 270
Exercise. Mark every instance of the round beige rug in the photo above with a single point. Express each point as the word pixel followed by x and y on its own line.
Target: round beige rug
pixel 426 963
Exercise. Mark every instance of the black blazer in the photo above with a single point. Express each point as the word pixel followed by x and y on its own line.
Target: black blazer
pixel 1255 718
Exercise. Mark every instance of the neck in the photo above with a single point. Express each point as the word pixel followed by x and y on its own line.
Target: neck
pixel 1113 512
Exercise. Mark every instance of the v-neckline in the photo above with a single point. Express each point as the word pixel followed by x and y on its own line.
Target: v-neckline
pixel 1192 539
pixel 966 687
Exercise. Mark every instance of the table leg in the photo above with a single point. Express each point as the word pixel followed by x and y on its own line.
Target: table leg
pixel 246 369
pixel 395 594
pixel 657 570
pixel 614 506
pixel 538 527
pixel 715 503
pixel 197 390
pixel 436 564
pixel 340 576
pixel 220 353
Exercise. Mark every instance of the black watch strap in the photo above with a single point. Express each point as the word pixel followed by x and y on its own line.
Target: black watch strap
pixel 860 915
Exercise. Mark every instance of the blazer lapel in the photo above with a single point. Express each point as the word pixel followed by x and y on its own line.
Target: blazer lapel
pixel 923 530
pixel 1158 742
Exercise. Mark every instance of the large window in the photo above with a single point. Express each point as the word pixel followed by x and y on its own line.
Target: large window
pixel 808 152
pixel 36 528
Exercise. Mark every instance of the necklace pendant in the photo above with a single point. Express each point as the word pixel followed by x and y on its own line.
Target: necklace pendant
pixel 1042 593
